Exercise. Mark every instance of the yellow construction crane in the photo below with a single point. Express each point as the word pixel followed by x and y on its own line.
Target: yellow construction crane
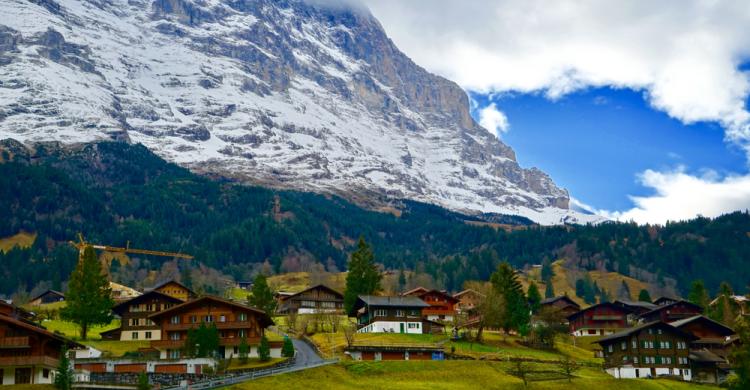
pixel 82 244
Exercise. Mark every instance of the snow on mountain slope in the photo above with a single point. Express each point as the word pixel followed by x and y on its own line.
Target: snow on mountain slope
pixel 281 93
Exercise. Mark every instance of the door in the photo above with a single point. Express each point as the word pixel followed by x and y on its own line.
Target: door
pixel 402 327
pixel 23 375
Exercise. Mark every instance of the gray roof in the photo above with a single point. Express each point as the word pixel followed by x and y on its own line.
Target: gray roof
pixel 630 331
pixel 705 356
pixel 680 323
pixel 411 301
pixel 647 305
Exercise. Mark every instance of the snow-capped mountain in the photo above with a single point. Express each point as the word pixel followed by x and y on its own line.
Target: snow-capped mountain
pixel 285 93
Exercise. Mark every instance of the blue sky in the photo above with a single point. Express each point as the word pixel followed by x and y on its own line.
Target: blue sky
pixel 596 141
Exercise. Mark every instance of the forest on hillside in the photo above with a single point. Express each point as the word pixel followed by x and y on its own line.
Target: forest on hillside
pixel 115 193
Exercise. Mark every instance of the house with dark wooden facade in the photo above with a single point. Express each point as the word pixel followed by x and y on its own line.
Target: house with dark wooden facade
pixel 598 320
pixel 49 296
pixel 663 301
pixel 442 306
pixel 29 354
pixel 15 312
pixel 395 352
pixel 672 312
pixel 134 313
pixel 400 314
pixel 648 350
pixel 468 300
pixel 233 321
pixel 316 299
pixel 710 351
pixel 562 304
pixel 174 289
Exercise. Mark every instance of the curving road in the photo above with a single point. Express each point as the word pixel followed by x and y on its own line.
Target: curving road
pixel 306 355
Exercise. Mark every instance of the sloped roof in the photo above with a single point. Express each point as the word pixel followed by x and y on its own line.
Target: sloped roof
pixel 415 290
pixel 592 307
pixel 164 283
pixel 265 318
pixel 664 307
pixel 566 298
pixel 727 331
pixel 411 301
pixel 323 286
pixel 54 292
pixel 467 291
pixel 645 305
pixel 705 356
pixel 122 305
pixel 449 297
pixel 636 329
pixel 40 330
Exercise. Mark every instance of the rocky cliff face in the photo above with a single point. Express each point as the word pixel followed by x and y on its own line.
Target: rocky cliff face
pixel 284 93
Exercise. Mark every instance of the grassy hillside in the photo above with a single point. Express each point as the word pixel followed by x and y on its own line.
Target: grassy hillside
pixel 21 240
pixel 452 375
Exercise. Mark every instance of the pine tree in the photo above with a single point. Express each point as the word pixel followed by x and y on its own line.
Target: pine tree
pixel 264 350
pixel 89 297
pixel 505 282
pixel 723 309
pixel 243 350
pixel 534 298
pixel 262 296
pixel 644 296
pixel 740 358
pixel 549 291
pixel 287 349
pixel 143 382
pixel 547 272
pixel 363 277
pixel 64 374
pixel 401 279
pixel 698 294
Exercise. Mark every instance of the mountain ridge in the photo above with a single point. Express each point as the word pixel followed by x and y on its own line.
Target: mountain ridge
pixel 287 94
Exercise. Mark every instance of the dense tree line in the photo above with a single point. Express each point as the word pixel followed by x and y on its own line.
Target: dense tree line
pixel 114 193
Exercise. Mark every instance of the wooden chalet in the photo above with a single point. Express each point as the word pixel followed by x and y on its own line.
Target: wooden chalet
pixel 29 354
pixel 122 293
pixel 672 312
pixel 15 312
pixel 442 306
pixel 316 299
pixel 174 289
pixel 468 300
pixel 395 352
pixel 648 350
pixel 662 301
pixel 234 322
pixel 563 304
pixel 134 313
pixel 415 291
pixel 401 314
pixel 711 348
pixel 598 320
pixel 49 296
pixel 637 307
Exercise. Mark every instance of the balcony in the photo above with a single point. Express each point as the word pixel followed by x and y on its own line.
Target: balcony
pixel 225 342
pixel 28 360
pixel 219 325
pixel 14 342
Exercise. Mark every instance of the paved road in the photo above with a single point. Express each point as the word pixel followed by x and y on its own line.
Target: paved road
pixel 306 355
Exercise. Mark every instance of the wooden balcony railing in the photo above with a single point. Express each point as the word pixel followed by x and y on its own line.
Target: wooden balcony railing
pixel 219 325
pixel 14 342
pixel 226 342
pixel 28 360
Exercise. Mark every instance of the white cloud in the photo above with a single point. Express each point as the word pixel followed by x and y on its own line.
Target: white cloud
pixel 680 196
pixel 493 120
pixel 683 55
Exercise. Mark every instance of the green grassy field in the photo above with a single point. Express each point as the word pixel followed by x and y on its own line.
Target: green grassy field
pixel 71 330
pixel 110 348
pixel 453 375
pixel 253 363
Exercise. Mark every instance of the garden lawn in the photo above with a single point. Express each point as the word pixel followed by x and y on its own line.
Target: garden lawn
pixel 253 363
pixel 448 375
pixel 72 330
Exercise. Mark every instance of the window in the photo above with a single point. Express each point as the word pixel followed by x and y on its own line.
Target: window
pixel 650 331
pixel 328 304
pixel 380 313
pixel 242 317
pixel 193 319
pixel 659 331
pixel 400 313
pixel 414 313
pixel 174 336
pixel 635 344
pixel 682 360
pixel 610 349
pixel 236 350
pixel 208 318
pixel 667 360
pixel 23 375
pixel 413 325
pixel 45 373
pixel 134 335
pixel 635 359
pixel 175 320
pixel 665 345
pixel 308 303
pixel 681 345
pixel 624 345
pixel 148 335
pixel 648 344
pixel 624 358
pixel 133 322
pixel 173 353
pixel 241 333
pixel 222 318
pixel 150 307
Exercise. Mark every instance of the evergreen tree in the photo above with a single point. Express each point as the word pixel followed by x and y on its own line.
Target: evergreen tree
pixel 401 279
pixel 89 297
pixel 262 296
pixel 723 309
pixel 549 290
pixel 698 294
pixel 534 298
pixel 243 350
pixel 186 276
pixel 264 350
pixel 740 358
pixel 580 288
pixel 64 374
pixel 287 349
pixel 604 296
pixel 143 382
pixel 644 296
pixel 505 282
pixel 547 272
pixel 363 277
pixel 202 342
